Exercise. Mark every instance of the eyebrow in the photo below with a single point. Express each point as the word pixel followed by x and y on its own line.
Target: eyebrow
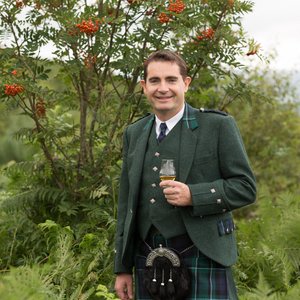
pixel 167 78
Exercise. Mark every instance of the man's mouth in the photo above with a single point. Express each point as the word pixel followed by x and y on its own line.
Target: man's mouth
pixel 162 98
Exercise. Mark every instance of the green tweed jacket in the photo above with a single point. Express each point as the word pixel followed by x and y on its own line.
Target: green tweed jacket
pixel 213 164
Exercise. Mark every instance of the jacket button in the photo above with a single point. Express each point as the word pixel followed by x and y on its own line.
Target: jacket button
pixel 152 200
pixel 157 154
pixel 155 169
pixel 212 191
pixel 153 185
pixel 219 201
pixel 224 210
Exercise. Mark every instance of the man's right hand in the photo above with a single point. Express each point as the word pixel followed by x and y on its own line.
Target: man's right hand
pixel 124 286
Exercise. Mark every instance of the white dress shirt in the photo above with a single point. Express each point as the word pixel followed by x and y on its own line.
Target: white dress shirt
pixel 170 123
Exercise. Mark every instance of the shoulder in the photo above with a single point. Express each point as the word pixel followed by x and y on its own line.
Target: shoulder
pixel 213 118
pixel 141 123
pixel 141 119
pixel 213 111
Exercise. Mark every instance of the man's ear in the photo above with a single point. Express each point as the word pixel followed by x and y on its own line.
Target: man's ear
pixel 187 81
pixel 143 83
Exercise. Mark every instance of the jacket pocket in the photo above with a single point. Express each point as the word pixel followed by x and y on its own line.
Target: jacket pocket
pixel 225 226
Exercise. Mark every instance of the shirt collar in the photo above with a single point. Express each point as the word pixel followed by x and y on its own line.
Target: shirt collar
pixel 170 123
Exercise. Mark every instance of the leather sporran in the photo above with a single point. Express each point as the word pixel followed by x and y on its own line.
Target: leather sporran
pixel 165 277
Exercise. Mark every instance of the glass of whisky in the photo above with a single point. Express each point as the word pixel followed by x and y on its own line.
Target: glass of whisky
pixel 167 170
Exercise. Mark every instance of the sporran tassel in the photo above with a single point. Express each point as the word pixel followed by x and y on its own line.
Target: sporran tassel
pixel 162 288
pixel 170 285
pixel 154 284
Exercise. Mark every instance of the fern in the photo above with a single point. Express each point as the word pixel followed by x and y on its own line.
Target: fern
pixel 261 292
pixel 25 283
pixel 32 199
pixel 277 268
pixel 271 247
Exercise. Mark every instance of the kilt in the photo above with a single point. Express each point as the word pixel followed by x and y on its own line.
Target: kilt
pixel 210 280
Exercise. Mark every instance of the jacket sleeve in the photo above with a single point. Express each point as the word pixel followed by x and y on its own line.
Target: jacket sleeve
pixel 122 209
pixel 236 186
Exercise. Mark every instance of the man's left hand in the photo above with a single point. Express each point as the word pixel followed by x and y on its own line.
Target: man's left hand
pixel 176 193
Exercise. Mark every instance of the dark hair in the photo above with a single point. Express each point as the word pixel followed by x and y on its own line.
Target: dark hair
pixel 166 55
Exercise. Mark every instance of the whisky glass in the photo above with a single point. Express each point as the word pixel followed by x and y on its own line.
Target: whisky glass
pixel 167 170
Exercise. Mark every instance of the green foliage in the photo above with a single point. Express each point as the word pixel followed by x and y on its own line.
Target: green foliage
pixel 270 130
pixel 25 283
pixel 71 271
pixel 270 248
pixel 58 210
pixel 103 293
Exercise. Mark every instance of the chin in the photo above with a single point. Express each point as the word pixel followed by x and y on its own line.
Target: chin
pixel 163 108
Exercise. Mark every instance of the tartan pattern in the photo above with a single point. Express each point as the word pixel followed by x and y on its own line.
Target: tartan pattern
pixel 210 280
pixel 188 118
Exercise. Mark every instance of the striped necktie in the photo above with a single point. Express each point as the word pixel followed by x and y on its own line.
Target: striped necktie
pixel 163 129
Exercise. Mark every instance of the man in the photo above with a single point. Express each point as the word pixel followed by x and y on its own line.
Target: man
pixel 191 215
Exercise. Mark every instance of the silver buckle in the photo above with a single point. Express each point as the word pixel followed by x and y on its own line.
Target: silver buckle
pixel 162 252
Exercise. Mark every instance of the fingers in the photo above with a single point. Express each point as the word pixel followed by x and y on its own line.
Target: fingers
pixel 176 193
pixel 130 292
pixel 123 286
pixel 124 294
pixel 169 183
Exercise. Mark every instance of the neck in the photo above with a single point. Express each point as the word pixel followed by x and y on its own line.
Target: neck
pixel 165 116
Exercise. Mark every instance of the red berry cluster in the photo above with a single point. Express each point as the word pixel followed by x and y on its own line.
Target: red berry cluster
pixel 206 34
pixel 88 27
pixel 176 6
pixel 163 18
pixel 14 72
pixel 19 4
pixel 13 89
pixel 40 109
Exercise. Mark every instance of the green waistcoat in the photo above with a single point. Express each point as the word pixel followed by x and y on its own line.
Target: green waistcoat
pixel 153 208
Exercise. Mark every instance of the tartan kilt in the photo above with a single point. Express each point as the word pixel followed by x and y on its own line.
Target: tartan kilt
pixel 210 280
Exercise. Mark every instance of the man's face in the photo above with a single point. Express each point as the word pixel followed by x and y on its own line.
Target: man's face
pixel 165 88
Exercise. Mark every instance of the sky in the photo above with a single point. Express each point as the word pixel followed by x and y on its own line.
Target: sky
pixel 276 26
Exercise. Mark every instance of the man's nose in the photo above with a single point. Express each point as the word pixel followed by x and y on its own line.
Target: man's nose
pixel 163 87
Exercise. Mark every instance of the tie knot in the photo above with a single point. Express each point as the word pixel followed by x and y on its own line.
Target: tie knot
pixel 163 127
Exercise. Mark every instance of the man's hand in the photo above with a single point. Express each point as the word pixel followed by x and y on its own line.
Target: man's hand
pixel 123 286
pixel 176 193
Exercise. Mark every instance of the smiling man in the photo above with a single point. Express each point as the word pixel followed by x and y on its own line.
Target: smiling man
pixel 165 88
pixel 178 236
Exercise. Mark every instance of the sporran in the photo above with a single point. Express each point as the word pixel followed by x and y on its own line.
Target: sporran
pixel 165 277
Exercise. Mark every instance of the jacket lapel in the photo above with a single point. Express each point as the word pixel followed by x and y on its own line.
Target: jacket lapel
pixel 188 142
